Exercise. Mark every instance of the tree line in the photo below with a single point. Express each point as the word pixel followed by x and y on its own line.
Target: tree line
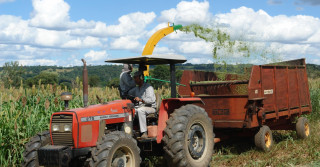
pixel 14 75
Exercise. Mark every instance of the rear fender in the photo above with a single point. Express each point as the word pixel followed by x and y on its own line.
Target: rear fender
pixel 167 107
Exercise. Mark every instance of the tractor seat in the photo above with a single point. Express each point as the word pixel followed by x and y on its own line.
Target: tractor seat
pixel 158 102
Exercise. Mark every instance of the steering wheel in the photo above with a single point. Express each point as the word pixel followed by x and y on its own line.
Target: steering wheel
pixel 130 97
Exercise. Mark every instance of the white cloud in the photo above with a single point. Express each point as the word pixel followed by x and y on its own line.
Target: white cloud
pixel 15 30
pixel 87 42
pixel 127 43
pixel 295 50
pixel 163 50
pixel 43 62
pixel 131 24
pixel 96 57
pixel 50 28
pixel 50 14
pixel 196 47
pixel 188 13
pixel 49 38
pixel 50 32
pixel 4 1
pixel 261 26
pixel 200 61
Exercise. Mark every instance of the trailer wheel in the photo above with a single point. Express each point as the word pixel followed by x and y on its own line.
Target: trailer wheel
pixel 188 137
pixel 30 155
pixel 263 139
pixel 116 149
pixel 302 128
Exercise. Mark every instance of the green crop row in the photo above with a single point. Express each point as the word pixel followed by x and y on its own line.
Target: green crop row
pixel 25 112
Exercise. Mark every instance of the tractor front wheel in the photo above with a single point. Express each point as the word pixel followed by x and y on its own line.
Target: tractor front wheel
pixel 116 149
pixel 30 155
pixel 189 138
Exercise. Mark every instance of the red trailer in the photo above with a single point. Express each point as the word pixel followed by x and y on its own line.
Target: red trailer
pixel 272 96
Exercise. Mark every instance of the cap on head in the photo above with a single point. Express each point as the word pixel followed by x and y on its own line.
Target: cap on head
pixel 139 74
pixel 127 67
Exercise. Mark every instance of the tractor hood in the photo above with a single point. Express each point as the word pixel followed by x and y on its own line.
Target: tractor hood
pixel 114 109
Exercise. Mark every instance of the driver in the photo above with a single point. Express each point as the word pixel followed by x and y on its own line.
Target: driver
pixel 144 94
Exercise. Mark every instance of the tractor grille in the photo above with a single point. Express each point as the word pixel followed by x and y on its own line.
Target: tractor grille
pixel 62 138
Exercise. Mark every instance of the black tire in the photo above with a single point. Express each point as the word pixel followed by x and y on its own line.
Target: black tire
pixel 188 138
pixel 303 128
pixel 117 144
pixel 30 155
pixel 264 139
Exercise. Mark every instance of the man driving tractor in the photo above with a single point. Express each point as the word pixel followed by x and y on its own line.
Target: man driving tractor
pixel 144 94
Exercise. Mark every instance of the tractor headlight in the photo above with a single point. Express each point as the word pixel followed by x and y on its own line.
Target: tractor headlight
pixel 67 128
pixel 55 128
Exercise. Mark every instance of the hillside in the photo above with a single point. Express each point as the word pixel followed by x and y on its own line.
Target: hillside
pixel 103 75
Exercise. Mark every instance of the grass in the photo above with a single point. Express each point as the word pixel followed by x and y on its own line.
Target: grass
pixel 288 150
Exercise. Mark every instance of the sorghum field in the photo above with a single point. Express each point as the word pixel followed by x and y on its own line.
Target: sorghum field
pixel 25 112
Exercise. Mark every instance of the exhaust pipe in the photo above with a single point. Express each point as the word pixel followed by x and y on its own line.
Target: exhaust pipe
pixel 85 83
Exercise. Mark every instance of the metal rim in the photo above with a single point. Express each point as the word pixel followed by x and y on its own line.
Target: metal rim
pixel 306 129
pixel 196 141
pixel 267 139
pixel 123 157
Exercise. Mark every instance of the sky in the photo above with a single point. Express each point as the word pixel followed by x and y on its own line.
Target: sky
pixel 62 32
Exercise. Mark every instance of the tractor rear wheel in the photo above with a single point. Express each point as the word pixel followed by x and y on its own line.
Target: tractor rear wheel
pixel 302 128
pixel 30 155
pixel 188 138
pixel 263 139
pixel 116 149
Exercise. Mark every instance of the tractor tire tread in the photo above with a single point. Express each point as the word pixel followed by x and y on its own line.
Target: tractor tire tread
pixel 174 136
pixel 30 155
pixel 102 150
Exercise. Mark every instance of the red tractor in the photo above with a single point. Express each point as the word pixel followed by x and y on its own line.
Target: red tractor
pixel 107 134
pixel 271 97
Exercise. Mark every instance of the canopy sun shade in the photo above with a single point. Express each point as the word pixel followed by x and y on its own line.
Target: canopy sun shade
pixel 151 59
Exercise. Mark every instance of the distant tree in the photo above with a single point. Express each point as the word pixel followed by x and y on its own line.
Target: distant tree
pixel 114 83
pixel 94 80
pixel 12 74
pixel 46 78
pixel 163 72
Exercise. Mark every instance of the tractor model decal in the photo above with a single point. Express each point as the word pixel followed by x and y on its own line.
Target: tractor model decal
pixel 101 117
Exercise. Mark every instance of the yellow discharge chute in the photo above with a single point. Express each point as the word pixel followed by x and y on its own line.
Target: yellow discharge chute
pixel 155 38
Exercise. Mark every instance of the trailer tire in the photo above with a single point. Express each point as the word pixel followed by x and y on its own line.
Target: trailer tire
pixel 30 155
pixel 303 128
pixel 264 139
pixel 116 149
pixel 188 138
